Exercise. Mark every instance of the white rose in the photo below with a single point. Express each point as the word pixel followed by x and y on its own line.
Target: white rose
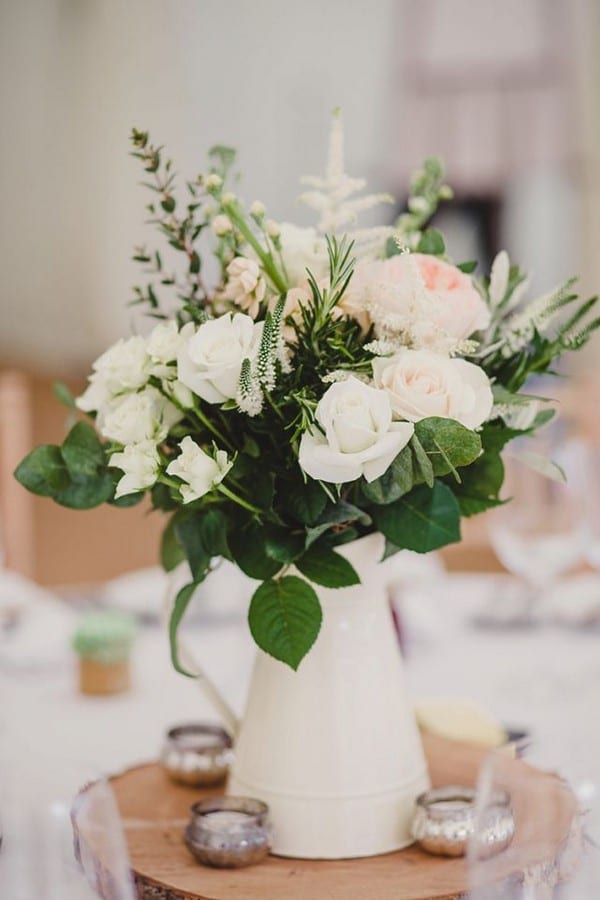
pixel 358 437
pixel 199 471
pixel 421 383
pixel 123 367
pixel 302 249
pixel 140 464
pixel 134 418
pixel 210 361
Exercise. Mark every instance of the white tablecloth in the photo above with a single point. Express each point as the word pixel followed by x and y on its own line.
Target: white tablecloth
pixel 545 680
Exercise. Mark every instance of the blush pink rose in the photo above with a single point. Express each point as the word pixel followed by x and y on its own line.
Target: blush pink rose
pixel 437 291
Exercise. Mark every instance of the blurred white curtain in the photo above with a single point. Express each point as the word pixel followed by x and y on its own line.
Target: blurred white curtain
pixel 75 75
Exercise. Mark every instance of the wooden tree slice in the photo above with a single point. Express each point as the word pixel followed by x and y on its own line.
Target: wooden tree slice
pixel 155 811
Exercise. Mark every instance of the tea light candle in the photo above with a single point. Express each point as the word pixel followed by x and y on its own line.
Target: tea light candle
pixel 445 821
pixel 229 832
pixel 197 754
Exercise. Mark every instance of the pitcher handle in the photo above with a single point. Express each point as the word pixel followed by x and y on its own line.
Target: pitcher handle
pixel 191 664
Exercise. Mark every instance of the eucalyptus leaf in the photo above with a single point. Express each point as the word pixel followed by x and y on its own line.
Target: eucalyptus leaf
pixel 82 451
pixel 432 242
pixel 447 443
pixel 285 618
pixel 43 471
pixel 396 481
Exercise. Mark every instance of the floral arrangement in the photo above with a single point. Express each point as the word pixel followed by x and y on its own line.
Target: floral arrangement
pixel 330 382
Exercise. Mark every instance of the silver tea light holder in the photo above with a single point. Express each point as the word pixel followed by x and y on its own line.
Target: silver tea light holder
pixel 229 832
pixel 444 821
pixel 197 754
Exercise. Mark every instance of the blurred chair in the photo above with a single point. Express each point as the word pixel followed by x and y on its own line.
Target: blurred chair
pixel 16 505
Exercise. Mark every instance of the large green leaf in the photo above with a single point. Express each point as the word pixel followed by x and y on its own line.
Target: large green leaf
pixel 189 535
pixel 481 485
pixel 43 471
pixel 396 481
pixel 177 613
pixel 285 619
pixel 304 502
pixel 171 551
pixel 447 443
pixel 248 549
pixel 324 566
pixel 82 451
pixel 283 545
pixel 423 520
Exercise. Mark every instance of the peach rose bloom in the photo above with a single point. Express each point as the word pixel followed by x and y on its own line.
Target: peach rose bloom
pixel 451 301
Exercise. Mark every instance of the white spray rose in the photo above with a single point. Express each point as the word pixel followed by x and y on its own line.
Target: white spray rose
pixel 163 345
pixel 210 361
pixel 421 383
pixel 134 418
pixel 123 367
pixel 140 464
pixel 245 285
pixel 199 471
pixel 358 435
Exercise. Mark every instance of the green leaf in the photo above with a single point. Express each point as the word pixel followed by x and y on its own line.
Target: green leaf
pixel 481 484
pixel 468 267
pixel 189 535
pixel 82 451
pixel 283 545
pixel 398 480
pixel 43 471
pixel 326 567
pixel 177 613
pixel 340 514
pixel 248 548
pixel 422 462
pixel 423 520
pixel 305 502
pixel 432 242
pixel 285 618
pixel 171 551
pixel 63 395
pixel 447 443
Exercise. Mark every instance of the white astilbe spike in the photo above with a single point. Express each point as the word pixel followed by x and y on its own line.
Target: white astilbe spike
pixel 499 279
pixel 330 194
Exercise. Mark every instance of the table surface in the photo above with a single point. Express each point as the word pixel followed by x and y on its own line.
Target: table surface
pixel 154 811
pixel 545 680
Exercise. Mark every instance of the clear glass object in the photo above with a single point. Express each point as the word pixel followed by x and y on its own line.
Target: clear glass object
pixel 544 531
pixel 62 835
pixel 554 854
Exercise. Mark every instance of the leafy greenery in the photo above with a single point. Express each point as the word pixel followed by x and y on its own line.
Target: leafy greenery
pixel 285 618
pixel 280 527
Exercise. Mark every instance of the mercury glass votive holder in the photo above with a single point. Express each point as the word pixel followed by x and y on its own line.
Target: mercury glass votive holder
pixel 197 754
pixel 229 832
pixel 444 821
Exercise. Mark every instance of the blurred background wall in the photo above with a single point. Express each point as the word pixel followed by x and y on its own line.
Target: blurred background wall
pixel 509 93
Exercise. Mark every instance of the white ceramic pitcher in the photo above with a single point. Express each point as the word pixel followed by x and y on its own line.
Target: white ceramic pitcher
pixel 334 748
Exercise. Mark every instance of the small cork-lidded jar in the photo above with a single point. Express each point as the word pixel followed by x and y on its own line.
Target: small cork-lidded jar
pixel 103 642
